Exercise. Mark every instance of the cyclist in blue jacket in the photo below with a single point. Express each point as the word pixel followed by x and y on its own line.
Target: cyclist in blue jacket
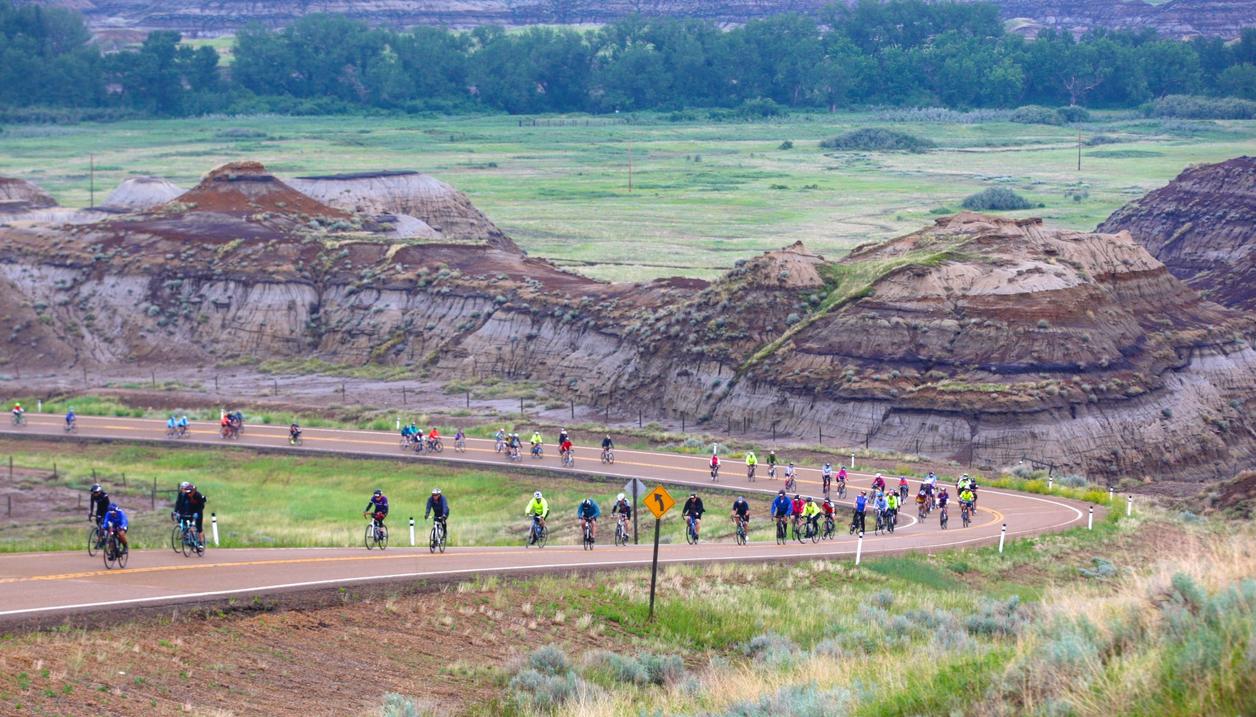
pixel 781 507
pixel 861 508
pixel 588 513
pixel 115 518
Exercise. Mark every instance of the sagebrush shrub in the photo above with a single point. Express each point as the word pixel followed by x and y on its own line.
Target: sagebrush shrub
pixel 996 199
pixel 877 139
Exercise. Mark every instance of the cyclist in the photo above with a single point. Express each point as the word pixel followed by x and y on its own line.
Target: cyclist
pixel 433 436
pixel 500 437
pixel 437 506
pixel 564 448
pixel 99 504
pixel 861 509
pixel 624 508
pixel 715 464
pixel 943 497
pixel 115 518
pixel 226 423
pixel 841 474
pixel 377 508
pixel 781 509
pixel 18 411
pixel 892 504
pixel 829 509
pixel 922 499
pixel 790 474
pixel 828 477
pixel 741 511
pixel 903 489
pixel 562 436
pixel 607 444
pixel 459 438
pixel 190 502
pixel 878 483
pixel 538 508
pixel 962 483
pixel 536 442
pixel 514 444
pixel 751 462
pixel 811 513
pixel 171 423
pixel 966 498
pixel 881 505
pixel 294 432
pixel 183 424
pixel 406 433
pixel 972 487
pixel 588 513
pixel 70 418
pixel 772 463
pixel 693 508
pixel 796 508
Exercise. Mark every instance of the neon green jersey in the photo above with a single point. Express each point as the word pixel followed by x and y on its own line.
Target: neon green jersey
pixel 751 460
pixel 810 510
pixel 537 507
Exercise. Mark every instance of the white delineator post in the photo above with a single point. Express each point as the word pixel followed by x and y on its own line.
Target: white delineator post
pixel 39 406
pixel 213 519
pixel 1129 506
pixel 852 461
pixel 1050 482
pixel 1002 537
pixel 398 424
pixel 412 532
pixel 1111 493
pixel 859 549
pixel 1090 522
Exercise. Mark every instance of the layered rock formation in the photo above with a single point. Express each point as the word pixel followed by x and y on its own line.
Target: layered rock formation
pixel 1224 18
pixel 980 339
pixel 1202 225
pixel 141 193
pixel 18 196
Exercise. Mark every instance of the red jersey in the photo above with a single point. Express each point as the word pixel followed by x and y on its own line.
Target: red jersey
pixel 798 506
pixel 828 508
pixel 566 446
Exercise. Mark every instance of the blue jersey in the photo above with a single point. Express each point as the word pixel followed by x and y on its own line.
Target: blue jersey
pixel 588 511
pixel 115 520
pixel 861 503
pixel 170 423
pixel 781 506
pixel 183 422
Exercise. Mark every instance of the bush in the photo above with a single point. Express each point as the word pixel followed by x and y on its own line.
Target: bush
pixel 1036 114
pixel 787 144
pixel 996 199
pixel 877 139
pixel 998 618
pixel 772 649
pixel 644 669
pixel 941 115
pixel 547 680
pixel 1191 107
pixel 759 108
pixel 397 706
pixel 1103 569
pixel 1073 114
pixel 1073 481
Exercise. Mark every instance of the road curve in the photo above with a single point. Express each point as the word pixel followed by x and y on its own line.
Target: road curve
pixel 34 584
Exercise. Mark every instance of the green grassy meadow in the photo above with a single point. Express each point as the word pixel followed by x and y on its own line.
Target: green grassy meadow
pixel 704 193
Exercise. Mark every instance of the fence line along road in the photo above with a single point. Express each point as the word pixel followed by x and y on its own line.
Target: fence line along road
pixel 32 584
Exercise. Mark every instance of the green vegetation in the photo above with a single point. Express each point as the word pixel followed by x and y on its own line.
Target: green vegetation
pixel 305 367
pixel 999 199
pixel 877 139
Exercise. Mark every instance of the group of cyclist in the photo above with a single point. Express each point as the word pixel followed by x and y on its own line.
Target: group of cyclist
pixel 587 513
pixel 109 517
pixel 413 436
pixel 377 508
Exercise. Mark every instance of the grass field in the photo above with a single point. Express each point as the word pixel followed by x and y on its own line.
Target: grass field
pixel 704 194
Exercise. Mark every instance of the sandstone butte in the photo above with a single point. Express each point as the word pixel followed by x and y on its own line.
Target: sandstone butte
pixel 194 18
pixel 979 338
pixel 1202 225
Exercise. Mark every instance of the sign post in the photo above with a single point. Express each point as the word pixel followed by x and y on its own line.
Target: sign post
pixel 636 489
pixel 658 502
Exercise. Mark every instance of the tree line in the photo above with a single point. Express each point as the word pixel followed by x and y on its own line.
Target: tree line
pixel 906 53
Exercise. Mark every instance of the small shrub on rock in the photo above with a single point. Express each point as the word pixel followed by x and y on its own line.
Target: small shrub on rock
pixel 999 199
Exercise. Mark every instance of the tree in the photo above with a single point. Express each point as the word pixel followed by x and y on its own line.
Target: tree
pixel 1238 81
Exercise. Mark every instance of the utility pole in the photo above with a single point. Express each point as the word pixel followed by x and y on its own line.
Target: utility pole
pixel 1079 149
pixel 630 165
pixel 91 173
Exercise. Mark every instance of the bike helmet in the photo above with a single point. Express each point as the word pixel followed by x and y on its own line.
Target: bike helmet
pixel 95 488
pixel 693 495
pixel 113 508
pixel 621 497
pixel 828 465
pixel 537 495
pixel 378 493
pixel 741 499
pixel 184 485
pixel 296 425
pixel 781 492
pixel 810 499
pixel 71 409
pixel 797 497
pixel 436 491
pixel 588 501
pixel 864 493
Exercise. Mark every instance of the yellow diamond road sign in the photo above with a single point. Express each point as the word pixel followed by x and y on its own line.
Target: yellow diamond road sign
pixel 659 502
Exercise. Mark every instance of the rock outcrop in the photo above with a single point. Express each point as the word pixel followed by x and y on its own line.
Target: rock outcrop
pixel 18 196
pixel 979 339
pixel 1202 225
pixel 142 192
pixel 194 18
pixel 424 206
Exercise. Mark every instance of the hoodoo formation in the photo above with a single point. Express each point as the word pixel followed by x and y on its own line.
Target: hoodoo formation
pixel 1202 225
pixel 978 339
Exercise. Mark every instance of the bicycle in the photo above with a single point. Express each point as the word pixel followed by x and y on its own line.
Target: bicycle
pixel 183 538
pixel 230 433
pixel 791 484
pixel 406 443
pixel 513 454
pixel 588 534
pixel 460 446
pixel 95 540
pixel 376 535
pixel 841 490
pixel 181 432
pixel 828 484
pixel 71 427
pixel 538 451
pixel 811 532
pixel 569 459
pixel 782 533
pixel 891 520
pixel 715 473
pixel 965 514
pixel 608 457
pixel 295 440
pixel 903 492
pixel 691 531
pixel 772 471
pixel 880 523
pixel 797 530
pixel 172 433
pixel 538 534
pixel 942 518
pixel 621 530
pixel 500 445
pixel 830 528
pixel 115 553
pixel 435 445
pixel 436 541
pixel 19 419
pixel 750 473
pixel 924 510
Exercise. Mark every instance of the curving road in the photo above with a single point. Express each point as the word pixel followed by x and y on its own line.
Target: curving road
pixel 34 584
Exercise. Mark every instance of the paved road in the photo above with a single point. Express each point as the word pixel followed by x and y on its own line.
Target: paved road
pixel 32 584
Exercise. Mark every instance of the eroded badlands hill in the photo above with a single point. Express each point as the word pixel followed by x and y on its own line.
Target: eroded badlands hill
pixel 978 338
pixel 1202 225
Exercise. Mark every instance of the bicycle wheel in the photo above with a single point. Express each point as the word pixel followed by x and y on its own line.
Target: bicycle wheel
pixel 438 447
pixel 942 520
pixel 690 536
pixel 750 475
pixel 122 557
pixel 187 541
pixel 382 542
pixel 543 539
pixel 433 539
pixel 588 539
pixel 813 531
pixel 780 534
pixel 176 537
pixel 110 552
pixel 93 541
pixel 444 537
pixel 369 538
pixel 741 534
pixel 609 457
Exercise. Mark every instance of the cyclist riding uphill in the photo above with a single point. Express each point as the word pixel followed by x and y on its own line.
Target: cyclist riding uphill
pixel 781 507
pixel 861 510
pixel 190 503
pixel 70 418
pixel 99 504
pixel 116 519
pixel 588 513
pixel 538 508
pixel 562 436
pixel 294 431
pixel 751 461
pixel 624 508
pixel 878 483
pixel 693 508
pixel 437 506
pixel 607 443
pixel 18 410
pixel 811 512
pixel 377 509
pixel 536 439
